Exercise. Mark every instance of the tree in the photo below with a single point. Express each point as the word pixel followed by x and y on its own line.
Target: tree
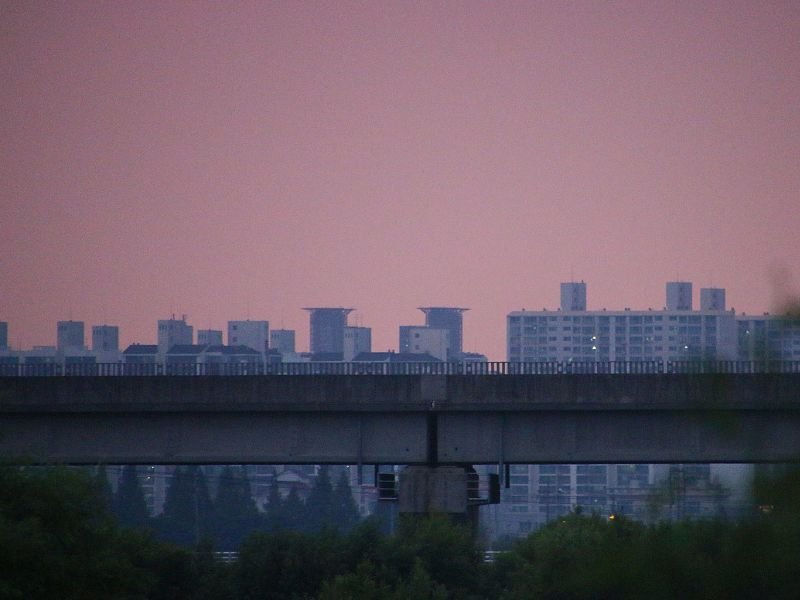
pixel 447 552
pixel 187 507
pixel 276 516
pixel 58 542
pixel 321 504
pixel 294 512
pixel 345 509
pixel 129 505
pixel 236 514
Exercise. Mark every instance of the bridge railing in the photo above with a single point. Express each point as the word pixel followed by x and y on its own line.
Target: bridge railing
pixel 187 369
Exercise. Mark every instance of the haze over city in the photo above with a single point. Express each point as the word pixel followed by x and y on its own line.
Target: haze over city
pixel 235 161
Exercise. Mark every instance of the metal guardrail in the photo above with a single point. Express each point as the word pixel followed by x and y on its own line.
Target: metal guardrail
pixel 405 368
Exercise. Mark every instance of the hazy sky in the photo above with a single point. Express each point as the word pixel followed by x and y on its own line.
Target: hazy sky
pixel 227 160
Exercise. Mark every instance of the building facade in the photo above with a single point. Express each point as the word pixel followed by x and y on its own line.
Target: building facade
pixel 70 335
pixel 253 334
pixel 105 338
pixel 105 343
pixel 173 331
pixel 673 334
pixel 416 339
pixel 326 329
pixel 451 319
pixel 282 340
pixel 209 337
pixel 356 341
pixel 768 337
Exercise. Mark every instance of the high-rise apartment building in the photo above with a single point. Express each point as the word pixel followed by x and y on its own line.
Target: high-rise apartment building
pixel 573 296
pixel 69 335
pixel 768 337
pixel 679 295
pixel 209 337
pixel 674 334
pixel 253 334
pixel 171 332
pixel 326 331
pixel 539 493
pixel 712 299
pixel 451 319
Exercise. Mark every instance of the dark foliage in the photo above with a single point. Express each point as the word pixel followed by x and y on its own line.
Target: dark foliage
pixel 188 511
pixel 58 541
pixel 235 513
pixel 129 504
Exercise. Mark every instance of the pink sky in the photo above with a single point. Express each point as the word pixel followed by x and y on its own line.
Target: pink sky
pixel 227 160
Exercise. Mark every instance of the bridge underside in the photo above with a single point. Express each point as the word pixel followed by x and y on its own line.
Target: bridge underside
pixel 407 437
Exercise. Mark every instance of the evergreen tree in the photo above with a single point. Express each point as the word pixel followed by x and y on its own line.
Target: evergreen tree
pixel 321 505
pixel 129 505
pixel 346 512
pixel 234 495
pixel 276 515
pixel 179 497
pixel 294 512
pixel 187 507
pixel 236 511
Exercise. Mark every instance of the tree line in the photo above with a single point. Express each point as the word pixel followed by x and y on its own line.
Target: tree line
pixel 58 541
pixel 191 515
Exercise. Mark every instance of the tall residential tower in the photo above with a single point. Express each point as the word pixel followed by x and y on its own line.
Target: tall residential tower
pixel 327 329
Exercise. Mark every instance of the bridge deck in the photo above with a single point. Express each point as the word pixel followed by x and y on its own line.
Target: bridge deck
pixel 387 419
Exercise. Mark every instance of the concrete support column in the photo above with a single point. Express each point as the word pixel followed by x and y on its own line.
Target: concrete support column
pixel 432 489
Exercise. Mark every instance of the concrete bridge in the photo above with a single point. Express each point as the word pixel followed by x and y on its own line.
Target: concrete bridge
pixel 402 419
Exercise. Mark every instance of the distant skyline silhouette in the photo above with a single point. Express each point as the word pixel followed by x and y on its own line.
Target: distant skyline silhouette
pixel 247 160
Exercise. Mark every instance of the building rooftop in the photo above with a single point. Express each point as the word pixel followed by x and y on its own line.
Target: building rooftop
pixel 187 349
pixel 141 349
pixel 239 349
pixel 394 357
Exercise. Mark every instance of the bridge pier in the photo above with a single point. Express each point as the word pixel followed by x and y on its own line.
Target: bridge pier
pixel 433 489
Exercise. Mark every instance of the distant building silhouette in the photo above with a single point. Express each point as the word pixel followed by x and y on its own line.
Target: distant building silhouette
pixel 173 331
pixel 105 338
pixel 69 335
pixel 209 337
pixel 679 295
pixel 326 331
pixel 573 296
pixel 105 343
pixel 418 339
pixel 576 334
pixel 282 340
pixel 253 334
pixel 712 299
pixel 356 340
pixel 449 318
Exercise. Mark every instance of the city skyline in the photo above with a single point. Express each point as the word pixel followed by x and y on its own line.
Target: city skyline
pixel 679 297
pixel 234 162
